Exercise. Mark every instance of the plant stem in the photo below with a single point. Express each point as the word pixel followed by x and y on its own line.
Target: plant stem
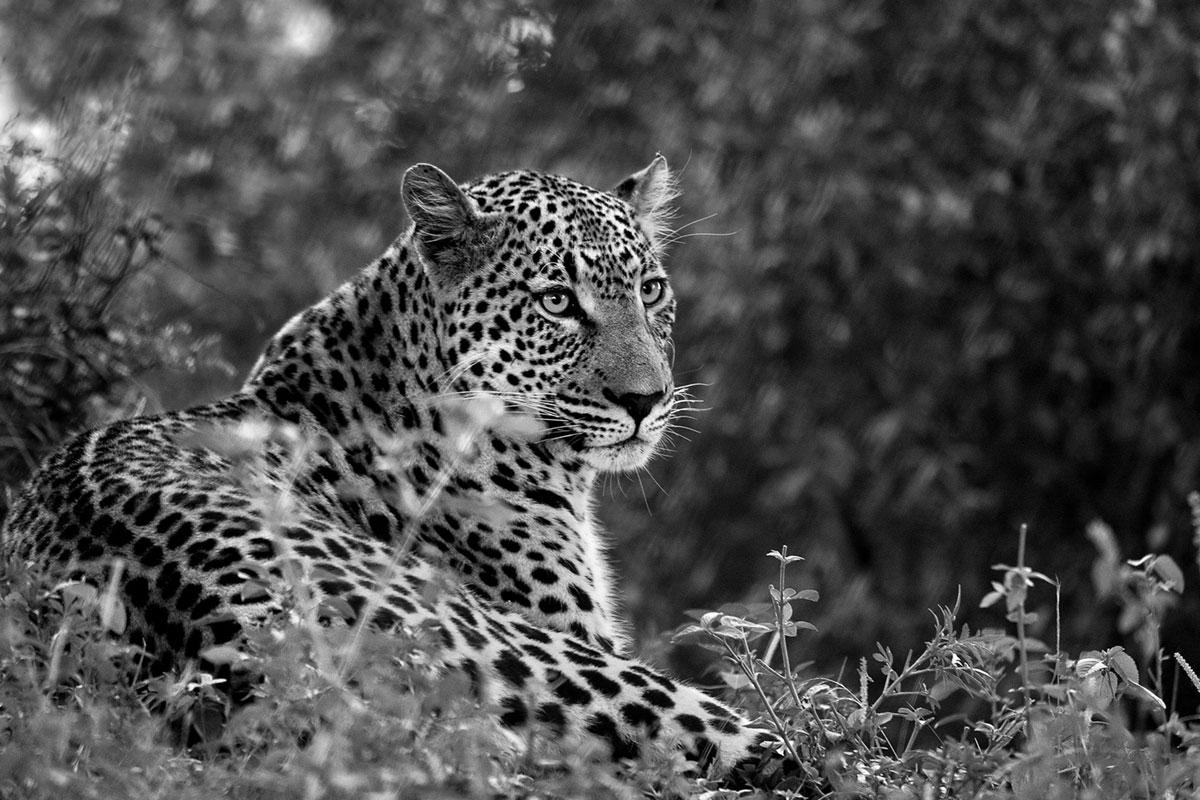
pixel 1021 622
pixel 746 665
pixel 780 626
pixel 916 667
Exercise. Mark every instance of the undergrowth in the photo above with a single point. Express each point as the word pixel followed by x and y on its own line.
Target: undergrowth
pixel 336 713
pixel 990 713
pixel 342 712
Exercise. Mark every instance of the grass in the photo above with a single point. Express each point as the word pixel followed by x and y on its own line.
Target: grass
pixel 343 713
pixel 81 716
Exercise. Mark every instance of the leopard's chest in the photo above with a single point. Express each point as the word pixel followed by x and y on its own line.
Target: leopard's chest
pixel 527 542
pixel 505 519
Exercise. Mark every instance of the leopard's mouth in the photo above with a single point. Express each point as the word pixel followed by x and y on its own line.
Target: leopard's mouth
pixel 581 441
pixel 610 445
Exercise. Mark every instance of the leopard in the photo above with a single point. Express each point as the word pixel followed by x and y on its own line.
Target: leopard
pixel 527 309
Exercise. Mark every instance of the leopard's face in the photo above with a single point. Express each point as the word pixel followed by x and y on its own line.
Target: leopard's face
pixel 566 314
pixel 602 318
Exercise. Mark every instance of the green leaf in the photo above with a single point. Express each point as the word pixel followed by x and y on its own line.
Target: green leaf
pixel 1145 695
pixel 915 715
pixel 78 594
pixel 336 606
pixel 253 590
pixel 1098 687
pixel 1122 664
pixel 112 613
pixel 783 557
pixel 1168 572
pixel 1088 663
pixel 223 654
pixel 943 689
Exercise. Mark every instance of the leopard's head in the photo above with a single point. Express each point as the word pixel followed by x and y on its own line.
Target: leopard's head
pixel 552 295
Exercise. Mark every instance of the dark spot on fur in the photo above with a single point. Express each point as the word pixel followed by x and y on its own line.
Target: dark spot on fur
pixel 515 712
pixel 552 714
pixel 657 698
pixel 571 693
pixel 188 596
pixel 582 599
pixel 546 497
pixel 603 727
pixel 601 682
pixel 551 605
pixel 224 630
pixel 632 678
pixel 137 590
pixel 512 668
pixel 640 715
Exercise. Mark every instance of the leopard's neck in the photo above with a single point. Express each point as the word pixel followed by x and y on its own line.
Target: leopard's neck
pixel 364 368
pixel 362 358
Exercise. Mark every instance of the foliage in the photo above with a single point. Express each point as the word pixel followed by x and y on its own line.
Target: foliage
pixel 71 253
pixel 344 712
pixel 337 712
pixel 970 715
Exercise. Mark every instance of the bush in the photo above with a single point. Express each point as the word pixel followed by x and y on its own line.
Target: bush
pixel 72 330
pixel 989 713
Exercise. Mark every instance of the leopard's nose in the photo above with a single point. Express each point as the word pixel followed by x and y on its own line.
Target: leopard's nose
pixel 638 405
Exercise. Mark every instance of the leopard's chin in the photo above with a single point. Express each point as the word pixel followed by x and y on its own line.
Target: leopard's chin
pixel 626 456
pixel 622 456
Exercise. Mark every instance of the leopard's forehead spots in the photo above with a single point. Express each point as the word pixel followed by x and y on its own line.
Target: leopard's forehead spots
pixel 568 232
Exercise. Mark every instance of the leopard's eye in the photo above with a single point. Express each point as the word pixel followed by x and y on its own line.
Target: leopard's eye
pixel 653 291
pixel 559 302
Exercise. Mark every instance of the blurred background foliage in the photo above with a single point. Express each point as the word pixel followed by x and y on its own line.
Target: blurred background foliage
pixel 943 278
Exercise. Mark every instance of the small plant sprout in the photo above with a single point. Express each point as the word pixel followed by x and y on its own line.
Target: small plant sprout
pixel 1146 589
pixel 785 626
pixel 1014 590
pixel 734 628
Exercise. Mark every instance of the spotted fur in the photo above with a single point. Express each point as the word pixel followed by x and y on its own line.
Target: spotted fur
pixel 540 295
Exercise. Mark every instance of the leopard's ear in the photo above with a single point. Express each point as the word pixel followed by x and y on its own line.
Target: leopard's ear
pixel 449 232
pixel 650 193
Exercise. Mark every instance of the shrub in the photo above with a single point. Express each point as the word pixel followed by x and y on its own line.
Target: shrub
pixel 72 256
